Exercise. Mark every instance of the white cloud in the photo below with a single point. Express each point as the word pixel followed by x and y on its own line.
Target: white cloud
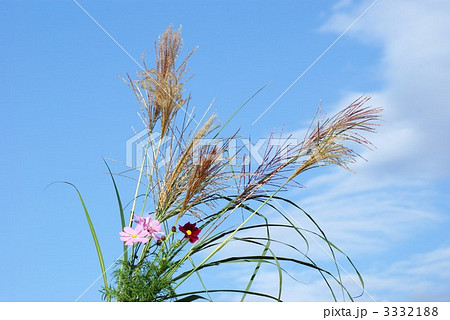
pixel 416 69
pixel 418 278
pixel 394 197
pixel 422 277
pixel 342 4
pixel 432 263
pixel 393 192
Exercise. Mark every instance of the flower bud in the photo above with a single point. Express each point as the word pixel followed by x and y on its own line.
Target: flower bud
pixel 158 242
pixel 163 238
pixel 174 229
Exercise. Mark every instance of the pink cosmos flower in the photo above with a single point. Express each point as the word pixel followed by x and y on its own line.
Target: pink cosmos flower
pixel 131 236
pixel 153 227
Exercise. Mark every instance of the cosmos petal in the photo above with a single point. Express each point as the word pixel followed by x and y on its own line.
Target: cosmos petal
pixel 128 230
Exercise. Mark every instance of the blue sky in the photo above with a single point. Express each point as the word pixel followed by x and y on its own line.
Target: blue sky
pixel 64 108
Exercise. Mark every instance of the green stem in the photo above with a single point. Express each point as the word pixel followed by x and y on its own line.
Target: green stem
pixel 138 183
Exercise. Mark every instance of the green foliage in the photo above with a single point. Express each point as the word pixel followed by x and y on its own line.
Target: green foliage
pixel 147 282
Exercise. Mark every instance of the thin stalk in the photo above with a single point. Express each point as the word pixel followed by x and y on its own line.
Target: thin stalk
pixel 155 157
pixel 135 199
pixel 138 183
pixel 240 107
pixel 146 246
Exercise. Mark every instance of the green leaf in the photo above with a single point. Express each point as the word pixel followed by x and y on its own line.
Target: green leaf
pixel 191 298
pixel 230 290
pixel 94 236
pixel 122 216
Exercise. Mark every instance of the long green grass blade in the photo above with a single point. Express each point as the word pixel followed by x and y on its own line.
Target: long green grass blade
pixel 264 259
pixel 258 265
pixel 330 246
pixel 191 298
pixel 247 259
pixel 94 236
pixel 122 215
pixel 201 280
pixel 230 290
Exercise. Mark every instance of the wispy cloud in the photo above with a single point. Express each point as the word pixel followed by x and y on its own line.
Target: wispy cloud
pixel 391 217
pixel 418 278
pixel 415 66
pixel 378 214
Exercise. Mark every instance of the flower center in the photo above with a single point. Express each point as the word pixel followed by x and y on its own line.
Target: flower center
pixel 188 232
pixel 133 235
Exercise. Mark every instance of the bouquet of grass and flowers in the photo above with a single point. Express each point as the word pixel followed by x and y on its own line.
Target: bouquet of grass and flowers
pixel 194 197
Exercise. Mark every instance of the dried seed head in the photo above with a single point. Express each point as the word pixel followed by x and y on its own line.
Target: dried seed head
pixel 326 143
pixel 164 83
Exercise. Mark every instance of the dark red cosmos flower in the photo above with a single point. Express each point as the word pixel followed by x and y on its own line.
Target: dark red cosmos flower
pixel 190 231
